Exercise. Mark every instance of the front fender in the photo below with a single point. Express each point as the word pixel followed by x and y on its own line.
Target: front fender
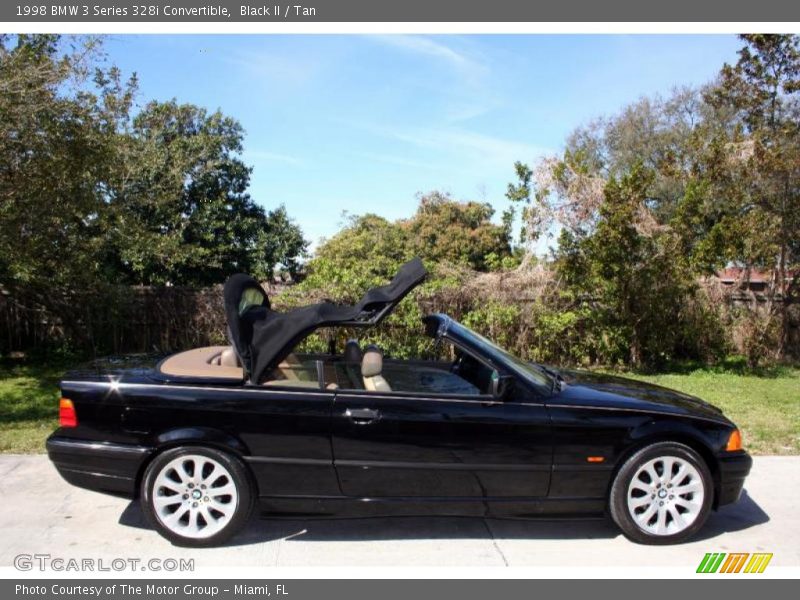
pixel 711 436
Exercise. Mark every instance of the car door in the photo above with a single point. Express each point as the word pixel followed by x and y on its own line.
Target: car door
pixel 401 444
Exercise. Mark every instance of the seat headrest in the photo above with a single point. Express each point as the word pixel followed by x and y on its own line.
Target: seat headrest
pixel 352 352
pixel 372 363
pixel 228 358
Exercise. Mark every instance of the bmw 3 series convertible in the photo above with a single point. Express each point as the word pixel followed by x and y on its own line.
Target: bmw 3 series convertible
pixel 206 436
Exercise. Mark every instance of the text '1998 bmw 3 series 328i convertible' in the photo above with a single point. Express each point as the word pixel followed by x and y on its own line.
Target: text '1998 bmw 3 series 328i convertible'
pixel 208 435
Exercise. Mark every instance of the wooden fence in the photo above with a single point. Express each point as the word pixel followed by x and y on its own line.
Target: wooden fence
pixel 137 319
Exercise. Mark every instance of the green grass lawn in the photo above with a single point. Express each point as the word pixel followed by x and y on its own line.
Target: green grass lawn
pixel 765 405
pixel 28 405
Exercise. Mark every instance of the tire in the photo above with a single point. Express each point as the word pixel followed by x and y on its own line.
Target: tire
pixel 197 496
pixel 653 508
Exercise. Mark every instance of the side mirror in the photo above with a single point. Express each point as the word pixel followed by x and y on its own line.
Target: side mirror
pixel 501 385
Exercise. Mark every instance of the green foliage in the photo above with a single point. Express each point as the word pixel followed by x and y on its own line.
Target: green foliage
pixel 92 195
pixel 756 170
pixel 367 251
pixel 182 212
pixel 459 233
pixel 370 249
pixel 497 321
pixel 717 177
pixel 631 283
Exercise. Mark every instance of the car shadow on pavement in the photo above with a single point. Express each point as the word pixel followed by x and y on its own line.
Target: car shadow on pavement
pixel 742 515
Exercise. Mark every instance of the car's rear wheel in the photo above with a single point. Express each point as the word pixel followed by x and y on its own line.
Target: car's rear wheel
pixel 662 494
pixel 196 496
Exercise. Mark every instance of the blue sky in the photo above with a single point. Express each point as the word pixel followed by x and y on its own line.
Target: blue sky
pixel 363 123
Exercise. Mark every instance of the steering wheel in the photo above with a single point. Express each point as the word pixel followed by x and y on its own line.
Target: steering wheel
pixel 455 368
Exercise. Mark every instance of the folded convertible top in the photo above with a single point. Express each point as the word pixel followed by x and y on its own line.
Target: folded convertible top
pixel 262 337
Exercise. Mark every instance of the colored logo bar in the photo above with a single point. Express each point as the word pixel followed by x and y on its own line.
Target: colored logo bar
pixel 734 562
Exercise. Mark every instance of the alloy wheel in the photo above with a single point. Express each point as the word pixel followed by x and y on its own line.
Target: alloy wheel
pixel 665 495
pixel 194 496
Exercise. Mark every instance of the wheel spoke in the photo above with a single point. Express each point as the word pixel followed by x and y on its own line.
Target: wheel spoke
pixel 193 524
pixel 224 508
pixel 166 482
pixel 667 464
pixel 691 505
pixel 691 487
pixel 677 518
pixel 172 520
pixel 162 501
pixel 661 521
pixel 226 490
pixel 679 476
pixel 185 519
pixel 212 476
pixel 209 520
pixel 637 484
pixel 185 475
pixel 641 501
pixel 645 517
pixel 651 471
pixel 177 471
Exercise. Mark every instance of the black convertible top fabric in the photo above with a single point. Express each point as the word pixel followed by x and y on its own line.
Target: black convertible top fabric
pixel 262 337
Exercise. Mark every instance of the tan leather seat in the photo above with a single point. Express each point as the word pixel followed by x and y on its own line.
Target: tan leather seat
pixel 371 370
pixel 228 358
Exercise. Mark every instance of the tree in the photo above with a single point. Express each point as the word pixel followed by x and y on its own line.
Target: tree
pixel 364 253
pixel 756 165
pixel 92 196
pixel 183 214
pixel 723 187
pixel 627 275
pixel 57 152
pixel 462 233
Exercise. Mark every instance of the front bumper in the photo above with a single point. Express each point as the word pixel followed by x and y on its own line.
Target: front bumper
pixel 733 470
pixel 98 466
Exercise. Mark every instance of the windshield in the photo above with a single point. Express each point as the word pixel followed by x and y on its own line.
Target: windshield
pixel 533 372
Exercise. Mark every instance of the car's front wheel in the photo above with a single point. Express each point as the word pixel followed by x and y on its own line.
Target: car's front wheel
pixel 662 494
pixel 196 496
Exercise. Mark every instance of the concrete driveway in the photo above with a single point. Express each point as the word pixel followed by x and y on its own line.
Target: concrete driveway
pixel 43 514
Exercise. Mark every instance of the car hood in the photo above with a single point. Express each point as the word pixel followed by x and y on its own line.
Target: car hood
pixel 598 389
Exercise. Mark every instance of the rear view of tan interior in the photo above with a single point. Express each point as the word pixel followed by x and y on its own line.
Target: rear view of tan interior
pixel 221 362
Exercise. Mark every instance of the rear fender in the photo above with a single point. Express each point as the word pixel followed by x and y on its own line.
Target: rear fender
pixel 201 435
pixel 197 436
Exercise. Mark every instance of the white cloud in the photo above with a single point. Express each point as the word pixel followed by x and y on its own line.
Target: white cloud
pixel 477 146
pixel 467 88
pixel 392 159
pixel 429 47
pixel 276 157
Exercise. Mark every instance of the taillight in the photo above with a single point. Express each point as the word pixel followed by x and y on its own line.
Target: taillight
pixel 734 441
pixel 66 413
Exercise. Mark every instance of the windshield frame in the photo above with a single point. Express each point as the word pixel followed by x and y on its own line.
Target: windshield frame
pixel 537 376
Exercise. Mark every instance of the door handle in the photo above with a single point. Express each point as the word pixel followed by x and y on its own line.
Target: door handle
pixel 362 416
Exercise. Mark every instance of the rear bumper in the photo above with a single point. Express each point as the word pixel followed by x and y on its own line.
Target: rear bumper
pixel 733 469
pixel 98 466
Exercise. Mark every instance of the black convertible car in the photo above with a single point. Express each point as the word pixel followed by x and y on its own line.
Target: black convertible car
pixel 208 434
